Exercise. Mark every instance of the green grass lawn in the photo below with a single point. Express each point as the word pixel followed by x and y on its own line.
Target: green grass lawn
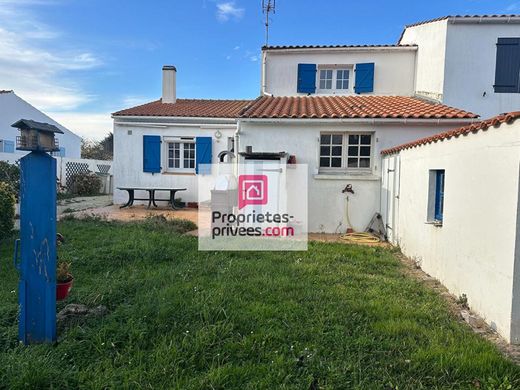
pixel 334 317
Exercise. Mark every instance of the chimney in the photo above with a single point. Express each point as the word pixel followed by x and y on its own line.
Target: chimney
pixel 169 92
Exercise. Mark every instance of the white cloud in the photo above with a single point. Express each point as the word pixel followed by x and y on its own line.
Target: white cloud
pixel 89 125
pixel 31 64
pixel 236 48
pixel 228 10
pixel 253 58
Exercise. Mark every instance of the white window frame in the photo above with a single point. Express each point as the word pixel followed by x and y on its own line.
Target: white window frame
pixel 182 141
pixel 344 168
pixel 335 69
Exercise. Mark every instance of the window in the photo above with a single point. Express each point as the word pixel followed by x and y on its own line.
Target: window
pixel 342 78
pixel 359 151
pixel 333 79
pixel 331 150
pixel 326 78
pixel 181 155
pixel 345 151
pixel 436 196
pixel 507 66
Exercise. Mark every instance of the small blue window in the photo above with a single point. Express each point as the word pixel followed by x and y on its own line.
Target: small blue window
pixel 439 194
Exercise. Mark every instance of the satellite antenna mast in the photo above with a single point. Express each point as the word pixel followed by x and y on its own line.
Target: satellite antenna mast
pixel 268 6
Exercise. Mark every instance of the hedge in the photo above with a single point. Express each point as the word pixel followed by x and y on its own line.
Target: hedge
pixel 6 209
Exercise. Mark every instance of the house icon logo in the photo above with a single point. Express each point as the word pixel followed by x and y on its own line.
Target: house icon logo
pixel 252 189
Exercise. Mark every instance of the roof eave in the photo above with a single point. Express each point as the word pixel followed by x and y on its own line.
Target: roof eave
pixel 335 49
pixel 377 120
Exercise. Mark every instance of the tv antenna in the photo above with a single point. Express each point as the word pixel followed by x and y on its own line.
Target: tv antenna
pixel 268 6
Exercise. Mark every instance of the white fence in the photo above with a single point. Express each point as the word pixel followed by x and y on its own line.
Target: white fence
pixel 66 168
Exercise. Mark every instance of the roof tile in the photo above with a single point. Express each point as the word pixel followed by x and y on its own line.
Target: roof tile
pixel 473 128
pixel 204 108
pixel 321 107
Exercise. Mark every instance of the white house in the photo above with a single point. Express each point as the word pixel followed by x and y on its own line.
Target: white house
pixel 331 107
pixel 471 62
pixel 14 108
pixel 161 143
pixel 452 203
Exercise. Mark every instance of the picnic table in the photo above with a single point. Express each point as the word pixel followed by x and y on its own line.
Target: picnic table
pixel 151 196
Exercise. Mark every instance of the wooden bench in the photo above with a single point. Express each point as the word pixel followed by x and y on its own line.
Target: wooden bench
pixel 151 196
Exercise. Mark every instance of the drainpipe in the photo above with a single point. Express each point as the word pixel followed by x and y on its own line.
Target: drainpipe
pixel 236 148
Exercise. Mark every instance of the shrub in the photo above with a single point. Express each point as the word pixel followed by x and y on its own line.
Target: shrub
pixel 6 210
pixel 10 174
pixel 86 184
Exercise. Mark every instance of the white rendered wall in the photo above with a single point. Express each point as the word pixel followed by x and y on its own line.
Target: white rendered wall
pixel 473 252
pixel 470 68
pixel 429 74
pixel 128 160
pixel 13 108
pixel 327 205
pixel 393 74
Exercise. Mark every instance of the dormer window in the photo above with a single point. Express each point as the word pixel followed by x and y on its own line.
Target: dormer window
pixel 334 79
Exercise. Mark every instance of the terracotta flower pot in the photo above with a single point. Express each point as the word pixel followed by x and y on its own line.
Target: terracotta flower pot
pixel 63 288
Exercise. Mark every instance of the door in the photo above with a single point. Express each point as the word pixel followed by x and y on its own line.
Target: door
pixel 390 196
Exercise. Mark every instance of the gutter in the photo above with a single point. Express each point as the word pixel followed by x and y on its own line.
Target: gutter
pixel 169 120
pixel 485 20
pixel 165 125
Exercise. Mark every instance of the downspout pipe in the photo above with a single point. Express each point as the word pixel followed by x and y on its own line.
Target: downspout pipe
pixel 237 145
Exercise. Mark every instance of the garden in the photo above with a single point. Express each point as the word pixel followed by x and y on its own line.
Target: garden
pixel 335 316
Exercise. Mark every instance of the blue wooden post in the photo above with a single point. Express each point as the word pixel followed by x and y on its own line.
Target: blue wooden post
pixel 37 286
pixel 37 243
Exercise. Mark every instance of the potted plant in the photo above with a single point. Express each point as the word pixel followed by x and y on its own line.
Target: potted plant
pixel 64 280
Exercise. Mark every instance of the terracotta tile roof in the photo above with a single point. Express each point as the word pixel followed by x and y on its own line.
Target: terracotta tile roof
pixel 203 108
pixel 465 130
pixel 284 47
pixel 464 17
pixel 323 107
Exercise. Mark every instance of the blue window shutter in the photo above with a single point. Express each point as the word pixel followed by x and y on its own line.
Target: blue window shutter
pixel 364 78
pixel 151 153
pixel 507 65
pixel 439 194
pixel 8 146
pixel 202 154
pixel 306 78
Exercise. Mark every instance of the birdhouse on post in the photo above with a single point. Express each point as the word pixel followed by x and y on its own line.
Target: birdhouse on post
pixel 35 251
pixel 36 136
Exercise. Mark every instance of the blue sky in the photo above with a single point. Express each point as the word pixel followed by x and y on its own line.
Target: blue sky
pixel 81 60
